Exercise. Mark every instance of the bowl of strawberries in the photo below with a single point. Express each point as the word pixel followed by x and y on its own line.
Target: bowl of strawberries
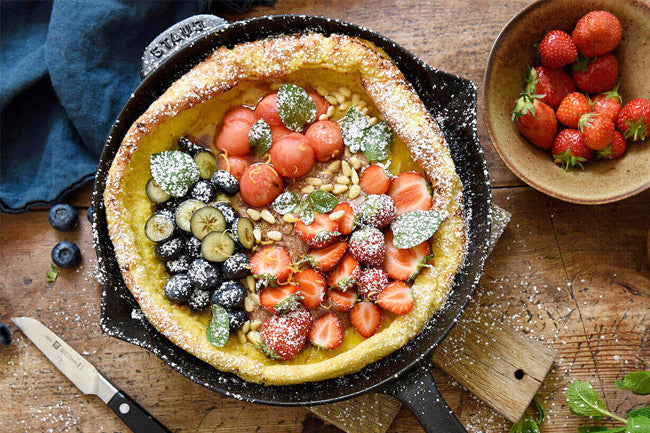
pixel 567 98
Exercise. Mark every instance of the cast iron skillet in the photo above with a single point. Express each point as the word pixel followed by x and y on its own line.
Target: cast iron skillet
pixel 405 373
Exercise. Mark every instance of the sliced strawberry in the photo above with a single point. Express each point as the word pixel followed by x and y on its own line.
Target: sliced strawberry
pixel 409 192
pixel 373 282
pixel 326 332
pixel 283 337
pixel 311 286
pixel 346 274
pixel 326 259
pixel 374 180
pixel 280 299
pixel 367 246
pixel 341 301
pixel 320 233
pixel 271 264
pixel 347 220
pixel 404 264
pixel 302 318
pixel 396 298
pixel 366 318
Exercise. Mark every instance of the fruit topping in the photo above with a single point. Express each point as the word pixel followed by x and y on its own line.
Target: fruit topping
pixel 190 147
pixel 597 33
pixel 233 136
pixel 396 298
pixel 375 180
pixel 292 155
pixel 170 249
pixel 280 299
pixel 373 281
pixel 341 301
pixel 634 119
pixel 236 267
pixel 311 286
pixel 174 171
pixel 365 317
pixel 207 164
pixel 595 75
pixel 159 227
pixel 295 107
pixel 325 137
pixel 597 130
pixel 229 294
pixel 557 50
pixel 569 149
pixel 184 212
pixel 534 120
pixel 572 108
pixel 346 275
pixel 271 265
pixel 326 332
pixel 225 182
pixel 62 217
pixel 267 109
pixel 283 337
pixel 242 233
pixel 321 103
pixel 203 191
pixel 199 300
pixel 237 317
pixel 378 210
pixel 155 193
pixel 203 274
pixel 217 246
pixel 193 248
pixel 326 259
pixel 346 220
pixel 234 165
pixel 409 192
pixel 66 254
pixel 206 220
pixel 260 185
pixel 413 228
pixel 178 288
pixel 367 246
pixel 320 233
pixel 179 265
pixel 404 264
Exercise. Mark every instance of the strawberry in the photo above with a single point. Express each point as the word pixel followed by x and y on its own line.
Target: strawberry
pixel 535 120
pixel 367 246
pixel 326 332
pixel 569 149
pixel 597 33
pixel 311 286
pixel 377 210
pixel 552 85
pixel 373 281
pixel 396 298
pixel 326 259
pixel 302 318
pixel 346 222
pixel 608 103
pixel 634 119
pixel 283 337
pixel 614 149
pixel 320 233
pixel 557 49
pixel 374 180
pixel 572 107
pixel 366 318
pixel 346 274
pixel 341 301
pixel 595 75
pixel 409 192
pixel 597 130
pixel 280 299
pixel 271 264
pixel 404 264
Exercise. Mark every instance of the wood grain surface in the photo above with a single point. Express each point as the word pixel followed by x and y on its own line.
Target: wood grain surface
pixel 574 278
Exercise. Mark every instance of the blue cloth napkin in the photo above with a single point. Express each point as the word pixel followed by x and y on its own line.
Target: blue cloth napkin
pixel 66 69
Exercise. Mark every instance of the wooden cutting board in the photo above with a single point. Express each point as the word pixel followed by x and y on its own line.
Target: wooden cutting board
pixel 500 366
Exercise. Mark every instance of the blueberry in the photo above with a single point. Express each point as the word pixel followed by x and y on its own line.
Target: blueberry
pixel 203 274
pixel 237 317
pixel 188 146
pixel 171 249
pixel 63 217
pixel 230 294
pixel 89 214
pixel 225 182
pixel 168 213
pixel 199 300
pixel 204 191
pixel 229 213
pixel 193 248
pixel 65 254
pixel 178 288
pixel 173 203
pixel 236 267
pixel 179 265
pixel 5 335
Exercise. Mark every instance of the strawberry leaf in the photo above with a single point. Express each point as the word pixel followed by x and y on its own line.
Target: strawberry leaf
pixel 295 107
pixel 219 327
pixel 353 126
pixel 568 161
pixel 413 228
pixel 285 202
pixel 259 137
pixel 289 303
pixel 174 171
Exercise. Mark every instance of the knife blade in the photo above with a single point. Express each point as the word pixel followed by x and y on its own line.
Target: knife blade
pixel 86 377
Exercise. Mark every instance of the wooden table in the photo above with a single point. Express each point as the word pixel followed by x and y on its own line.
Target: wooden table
pixel 574 277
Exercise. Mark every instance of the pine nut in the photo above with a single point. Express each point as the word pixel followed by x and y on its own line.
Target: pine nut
pixel 336 215
pixel 274 235
pixel 241 336
pixel 356 162
pixel 256 298
pixel 322 117
pixel 345 105
pixel 314 181
pixel 250 283
pixel 354 177
pixel 354 192
pixel 355 99
pixel 339 98
pixel 246 327
pixel 372 121
pixel 267 216
pixel 327 187
pixel 345 169
pixel 335 166
pixel 290 218
pixel 307 189
pixel 331 99
pixel 255 325
pixel 364 110
pixel 275 86
pixel 249 305
pixel 345 92
pixel 257 233
pixel 346 153
pixel 255 215
pixel 343 180
pixel 254 337
pixel 330 111
pixel 338 188
pixel 321 91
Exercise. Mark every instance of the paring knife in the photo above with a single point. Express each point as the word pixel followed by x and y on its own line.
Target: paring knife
pixel 86 377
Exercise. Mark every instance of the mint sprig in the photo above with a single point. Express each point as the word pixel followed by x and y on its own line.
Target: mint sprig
pixel 295 107
pixel 316 201
pixel 219 327
pixel 414 227
pixel 174 171
pixel 528 423
pixel 377 141
pixel 259 137
pixel 51 276
pixel 638 382
pixel 285 202
pixel 353 125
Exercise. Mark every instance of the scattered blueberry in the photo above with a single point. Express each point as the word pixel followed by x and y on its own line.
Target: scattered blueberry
pixel 171 249
pixel 203 274
pixel 63 217
pixel 204 191
pixel 229 294
pixel 235 267
pixel 229 214
pixel 179 265
pixel 173 203
pixel 5 335
pixel 237 317
pixel 225 182
pixel 188 146
pixel 199 300
pixel 178 288
pixel 168 213
pixel 193 248
pixel 89 214
pixel 65 254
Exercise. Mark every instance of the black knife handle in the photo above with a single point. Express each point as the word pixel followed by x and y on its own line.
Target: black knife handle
pixel 134 416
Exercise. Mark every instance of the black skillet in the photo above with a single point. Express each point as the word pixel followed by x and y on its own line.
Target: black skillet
pixel 405 374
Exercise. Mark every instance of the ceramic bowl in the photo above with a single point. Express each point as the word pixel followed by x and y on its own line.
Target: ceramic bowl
pixel 602 181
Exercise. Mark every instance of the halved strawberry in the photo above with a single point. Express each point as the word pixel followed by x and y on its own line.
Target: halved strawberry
pixel 311 286
pixel 366 318
pixel 341 301
pixel 404 264
pixel 396 298
pixel 280 299
pixel 271 264
pixel 409 192
pixel 346 274
pixel 326 332
pixel 326 259
pixel 320 233
pixel 283 337
pixel 347 220
pixel 374 180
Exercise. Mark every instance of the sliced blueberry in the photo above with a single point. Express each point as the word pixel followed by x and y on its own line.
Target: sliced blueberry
pixel 230 294
pixel 5 335
pixel 171 249
pixel 204 191
pixel 89 214
pixel 188 146
pixel 237 317
pixel 227 210
pixel 204 275
pixel 178 288
pixel 236 267
pixel 65 254
pixel 199 300
pixel 63 217
pixel 179 265
pixel 225 182
pixel 193 248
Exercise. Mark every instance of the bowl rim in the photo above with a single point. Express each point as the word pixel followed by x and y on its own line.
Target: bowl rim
pixel 511 164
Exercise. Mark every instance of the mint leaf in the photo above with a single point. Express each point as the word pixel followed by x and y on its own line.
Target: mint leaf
pixel 643 411
pixel 259 137
pixel 306 211
pixel 638 382
pixel 323 201
pixel 583 400
pixel 413 228
pixel 599 428
pixel 219 327
pixel 638 424
pixel 51 276
pixel 295 107
pixel 540 410
pixel 353 126
pixel 285 202
pixel 525 425
pixel 376 141
pixel 174 171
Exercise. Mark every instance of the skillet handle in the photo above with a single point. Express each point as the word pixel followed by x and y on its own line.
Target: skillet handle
pixel 176 37
pixel 417 390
